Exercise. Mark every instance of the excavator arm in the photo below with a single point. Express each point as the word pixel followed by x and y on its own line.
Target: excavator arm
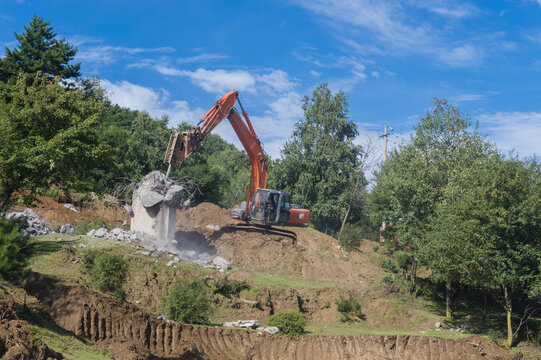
pixel 182 144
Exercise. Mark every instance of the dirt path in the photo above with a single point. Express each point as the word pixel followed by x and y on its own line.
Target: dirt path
pixel 136 335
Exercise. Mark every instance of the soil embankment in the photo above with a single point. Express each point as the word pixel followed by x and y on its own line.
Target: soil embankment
pixel 137 335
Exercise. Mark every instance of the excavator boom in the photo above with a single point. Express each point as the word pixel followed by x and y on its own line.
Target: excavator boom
pixel 182 144
pixel 269 207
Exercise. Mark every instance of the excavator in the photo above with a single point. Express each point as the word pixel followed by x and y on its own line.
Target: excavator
pixel 263 207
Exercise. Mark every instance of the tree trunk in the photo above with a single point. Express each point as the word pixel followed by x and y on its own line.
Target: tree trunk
pixel 448 293
pixel 344 221
pixel 5 199
pixel 508 310
pixel 413 284
pixel 484 318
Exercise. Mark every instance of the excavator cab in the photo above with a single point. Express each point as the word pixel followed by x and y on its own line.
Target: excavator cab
pixel 272 207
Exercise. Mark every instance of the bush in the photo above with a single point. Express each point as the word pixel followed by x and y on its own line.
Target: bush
pixel 389 266
pixel 14 250
pixel 108 271
pixel 227 287
pixel 188 301
pixel 84 226
pixel 376 248
pixel 350 309
pixel 350 237
pixel 290 323
pixel 403 260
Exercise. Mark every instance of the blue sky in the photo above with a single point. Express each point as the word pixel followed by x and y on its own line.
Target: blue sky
pixel 176 58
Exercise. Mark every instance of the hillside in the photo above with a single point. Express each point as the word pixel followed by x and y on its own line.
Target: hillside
pixel 306 273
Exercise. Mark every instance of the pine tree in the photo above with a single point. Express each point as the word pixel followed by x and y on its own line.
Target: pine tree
pixel 38 51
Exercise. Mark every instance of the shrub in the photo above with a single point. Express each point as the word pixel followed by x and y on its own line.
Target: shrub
pixel 84 226
pixel 376 248
pixel 403 260
pixel 107 271
pixel 495 335
pixel 227 287
pixel 14 250
pixel 389 266
pixel 350 237
pixel 350 309
pixel 290 323
pixel 188 301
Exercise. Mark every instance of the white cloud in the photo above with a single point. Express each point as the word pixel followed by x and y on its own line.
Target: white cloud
pixel 467 97
pixel 274 82
pixel 133 96
pixel 519 131
pixel 202 58
pixel 315 73
pixel 215 81
pixel 277 80
pixel 105 55
pixel 460 56
pixel 156 103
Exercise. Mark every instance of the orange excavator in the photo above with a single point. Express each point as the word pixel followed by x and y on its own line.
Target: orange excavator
pixel 263 206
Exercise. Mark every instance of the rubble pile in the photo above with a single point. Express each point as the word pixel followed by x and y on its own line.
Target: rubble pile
pixel 35 225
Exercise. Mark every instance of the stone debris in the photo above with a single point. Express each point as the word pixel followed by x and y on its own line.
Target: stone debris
pixel 213 227
pixel 67 229
pixel 438 325
pixel 70 207
pixel 34 226
pixel 269 329
pixel 248 324
pixel 222 263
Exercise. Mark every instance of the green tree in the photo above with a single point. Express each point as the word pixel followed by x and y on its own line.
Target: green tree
pixel 320 162
pixel 14 249
pixel 48 137
pixel 500 213
pixel 412 184
pixel 38 51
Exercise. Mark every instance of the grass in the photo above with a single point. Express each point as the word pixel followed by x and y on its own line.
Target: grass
pixel 338 329
pixel 275 281
pixel 71 346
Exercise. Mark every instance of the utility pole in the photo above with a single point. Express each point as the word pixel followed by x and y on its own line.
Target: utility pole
pixel 384 136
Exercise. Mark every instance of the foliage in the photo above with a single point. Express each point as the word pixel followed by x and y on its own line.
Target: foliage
pixel 47 135
pixel 389 266
pixel 14 250
pixel 350 309
pixel 376 248
pixel 290 323
pixel 350 237
pixel 38 51
pixel 320 162
pixel 108 271
pixel 226 287
pixel 84 226
pixel 188 301
pixel 403 259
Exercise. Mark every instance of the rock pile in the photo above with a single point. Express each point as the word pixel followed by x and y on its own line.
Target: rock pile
pixel 149 243
pixel 252 324
pixel 34 224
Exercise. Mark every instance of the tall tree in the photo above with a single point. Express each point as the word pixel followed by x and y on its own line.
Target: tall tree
pixel 39 51
pixel 48 137
pixel 413 182
pixel 320 161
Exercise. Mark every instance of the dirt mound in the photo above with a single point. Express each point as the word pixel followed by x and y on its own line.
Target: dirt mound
pixel 55 214
pixel 309 255
pixel 16 337
pixel 137 335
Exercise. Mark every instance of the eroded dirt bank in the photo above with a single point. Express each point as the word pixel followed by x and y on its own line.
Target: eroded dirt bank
pixel 136 335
